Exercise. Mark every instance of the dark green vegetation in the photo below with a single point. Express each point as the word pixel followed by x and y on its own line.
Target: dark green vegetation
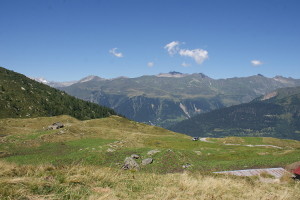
pixel 165 99
pixel 23 97
pixel 107 142
pixel 276 114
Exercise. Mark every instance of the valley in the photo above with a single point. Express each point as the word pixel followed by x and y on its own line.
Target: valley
pixel 90 152
pixel 166 99
pixel 149 100
pixel 272 115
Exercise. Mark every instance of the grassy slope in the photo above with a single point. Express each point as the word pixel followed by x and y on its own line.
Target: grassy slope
pixel 87 142
pixel 73 162
pixel 22 97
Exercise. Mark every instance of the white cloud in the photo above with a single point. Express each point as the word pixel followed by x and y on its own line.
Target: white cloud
pixel 150 64
pixel 256 62
pixel 172 47
pixel 199 55
pixel 115 53
pixel 184 64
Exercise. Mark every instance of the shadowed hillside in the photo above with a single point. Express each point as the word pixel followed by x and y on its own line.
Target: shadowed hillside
pixel 276 114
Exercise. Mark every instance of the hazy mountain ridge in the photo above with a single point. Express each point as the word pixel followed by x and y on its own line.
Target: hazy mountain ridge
pixel 165 99
pixel 24 97
pixel 276 114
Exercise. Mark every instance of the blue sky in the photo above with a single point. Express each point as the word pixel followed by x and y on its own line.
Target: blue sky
pixel 69 39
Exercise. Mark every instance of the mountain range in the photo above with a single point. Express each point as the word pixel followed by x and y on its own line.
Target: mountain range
pixel 168 98
pixel 276 114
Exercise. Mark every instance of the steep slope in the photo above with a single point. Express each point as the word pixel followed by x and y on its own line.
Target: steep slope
pixel 23 97
pixel 165 99
pixel 276 114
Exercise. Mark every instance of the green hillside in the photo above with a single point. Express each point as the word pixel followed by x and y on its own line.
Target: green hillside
pixel 165 99
pixel 84 160
pixel 22 97
pixel 276 114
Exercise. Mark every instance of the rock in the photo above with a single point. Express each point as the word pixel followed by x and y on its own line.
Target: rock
pixel 110 150
pixel 147 161
pixel 198 153
pixel 152 152
pixel 56 125
pixel 130 163
pixel 187 165
pixel 135 156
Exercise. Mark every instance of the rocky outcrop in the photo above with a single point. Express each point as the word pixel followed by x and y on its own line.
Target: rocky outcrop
pixel 147 161
pixel 130 163
pixel 135 156
pixel 56 125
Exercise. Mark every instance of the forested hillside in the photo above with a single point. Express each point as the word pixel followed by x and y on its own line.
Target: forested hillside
pixel 22 97
pixel 276 114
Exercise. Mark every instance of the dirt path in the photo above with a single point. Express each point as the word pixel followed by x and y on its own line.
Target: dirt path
pixel 248 145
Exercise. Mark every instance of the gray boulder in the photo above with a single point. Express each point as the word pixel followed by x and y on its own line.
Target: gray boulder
pixel 135 156
pixel 130 163
pixel 152 152
pixel 147 161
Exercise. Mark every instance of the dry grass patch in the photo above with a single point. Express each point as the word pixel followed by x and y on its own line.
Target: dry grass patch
pixel 90 182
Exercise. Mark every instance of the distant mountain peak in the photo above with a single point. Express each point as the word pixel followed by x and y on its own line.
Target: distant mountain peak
pixel 172 74
pixel 281 79
pixel 119 77
pixel 90 78
pixel 41 80
pixel 203 75
pixel 175 73
pixel 53 83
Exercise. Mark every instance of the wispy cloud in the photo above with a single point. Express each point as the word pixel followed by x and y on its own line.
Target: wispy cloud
pixel 172 47
pixel 184 64
pixel 199 55
pixel 150 64
pixel 256 62
pixel 115 53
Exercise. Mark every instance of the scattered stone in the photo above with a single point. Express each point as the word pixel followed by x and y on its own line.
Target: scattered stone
pixel 195 138
pixel 187 165
pixel 110 150
pixel 135 156
pixel 130 163
pixel 147 161
pixel 56 125
pixel 198 153
pixel 152 152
